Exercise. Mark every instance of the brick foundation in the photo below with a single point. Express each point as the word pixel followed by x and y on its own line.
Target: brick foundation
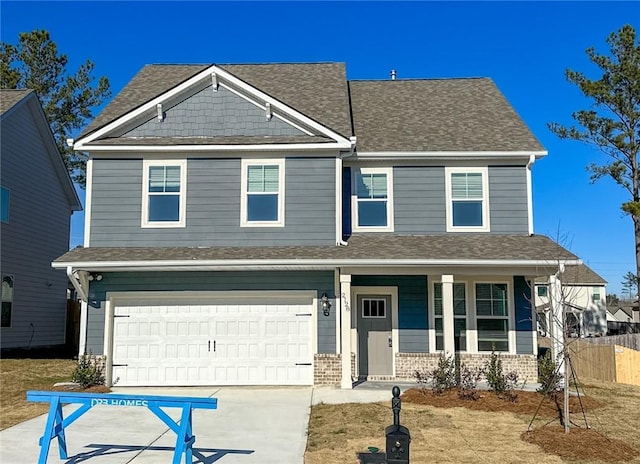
pixel 526 365
pixel 327 369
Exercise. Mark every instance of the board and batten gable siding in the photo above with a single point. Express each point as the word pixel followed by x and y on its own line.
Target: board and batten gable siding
pixel 214 114
pixel 320 281
pixel 412 308
pixel 420 200
pixel 36 233
pixel 213 206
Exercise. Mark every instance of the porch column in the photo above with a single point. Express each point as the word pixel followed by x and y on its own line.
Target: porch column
pixel 345 330
pixel 82 342
pixel 447 315
pixel 556 324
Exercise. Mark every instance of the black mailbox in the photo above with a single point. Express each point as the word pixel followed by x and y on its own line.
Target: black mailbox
pixel 398 436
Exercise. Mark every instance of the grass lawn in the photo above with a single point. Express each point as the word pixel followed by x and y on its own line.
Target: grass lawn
pixel 446 429
pixel 19 375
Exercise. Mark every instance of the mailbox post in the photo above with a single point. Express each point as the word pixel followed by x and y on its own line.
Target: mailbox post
pixel 398 436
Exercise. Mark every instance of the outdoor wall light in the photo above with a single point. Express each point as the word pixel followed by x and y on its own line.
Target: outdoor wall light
pixel 95 276
pixel 325 304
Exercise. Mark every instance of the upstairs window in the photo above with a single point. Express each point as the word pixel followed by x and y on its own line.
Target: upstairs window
pixel 262 193
pixel 7 300
pixel 467 199
pixel 164 194
pixel 373 200
pixel 4 204
pixel 596 294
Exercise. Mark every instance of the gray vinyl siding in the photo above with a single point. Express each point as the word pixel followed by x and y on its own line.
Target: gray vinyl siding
pixel 214 114
pixel 508 199
pixel 412 308
pixel 524 316
pixel 419 200
pixel 319 281
pixel 36 233
pixel 213 206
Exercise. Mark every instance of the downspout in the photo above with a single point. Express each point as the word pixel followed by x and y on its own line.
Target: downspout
pixel 75 281
pixel 340 193
pixel 532 159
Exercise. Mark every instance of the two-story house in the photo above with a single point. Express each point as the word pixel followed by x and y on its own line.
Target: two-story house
pixel 37 199
pixel 279 224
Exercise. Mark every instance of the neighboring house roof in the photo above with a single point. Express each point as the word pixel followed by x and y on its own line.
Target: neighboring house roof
pixel 11 100
pixel 581 275
pixel 410 249
pixel 436 115
pixel 318 90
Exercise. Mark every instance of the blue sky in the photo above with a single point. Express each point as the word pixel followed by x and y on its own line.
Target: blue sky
pixel 524 47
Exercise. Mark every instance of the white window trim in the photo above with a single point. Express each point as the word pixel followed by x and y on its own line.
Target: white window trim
pixel 510 317
pixel 243 192
pixel 354 200
pixel 145 194
pixel 486 227
pixel 432 316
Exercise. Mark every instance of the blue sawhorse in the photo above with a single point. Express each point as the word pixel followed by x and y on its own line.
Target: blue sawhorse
pixel 57 423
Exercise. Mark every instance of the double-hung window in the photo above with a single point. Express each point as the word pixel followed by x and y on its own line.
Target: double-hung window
pixel 7 300
pixel 492 316
pixel 459 316
pixel 373 200
pixel 4 204
pixel 262 202
pixel 467 199
pixel 164 193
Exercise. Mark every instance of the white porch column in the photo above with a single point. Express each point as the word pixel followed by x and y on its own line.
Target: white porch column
pixel 447 315
pixel 82 342
pixel 345 330
pixel 556 324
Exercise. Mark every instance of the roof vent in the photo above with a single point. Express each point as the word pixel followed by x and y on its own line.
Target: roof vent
pixel 393 74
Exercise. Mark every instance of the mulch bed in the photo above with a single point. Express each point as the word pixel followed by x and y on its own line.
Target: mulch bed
pixel 526 402
pixel 580 443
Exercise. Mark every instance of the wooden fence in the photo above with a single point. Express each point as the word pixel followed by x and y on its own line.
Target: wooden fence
pixel 610 363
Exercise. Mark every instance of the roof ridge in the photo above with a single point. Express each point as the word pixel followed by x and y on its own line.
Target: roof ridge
pixel 412 79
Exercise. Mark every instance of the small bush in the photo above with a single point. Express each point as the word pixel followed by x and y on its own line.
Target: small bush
pixel 500 383
pixel 88 373
pixel 548 376
pixel 468 384
pixel 441 378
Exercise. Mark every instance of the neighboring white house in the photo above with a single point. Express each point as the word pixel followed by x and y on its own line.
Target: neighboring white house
pixel 585 301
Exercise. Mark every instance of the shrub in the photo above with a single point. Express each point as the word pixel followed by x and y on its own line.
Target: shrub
pixel 441 378
pixel 548 376
pixel 88 373
pixel 500 383
pixel 468 384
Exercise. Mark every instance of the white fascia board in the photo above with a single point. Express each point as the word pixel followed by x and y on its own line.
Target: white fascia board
pixel 296 264
pixel 80 145
pixel 393 155
pixel 210 148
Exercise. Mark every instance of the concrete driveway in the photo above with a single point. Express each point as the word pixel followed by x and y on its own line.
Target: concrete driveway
pixel 251 425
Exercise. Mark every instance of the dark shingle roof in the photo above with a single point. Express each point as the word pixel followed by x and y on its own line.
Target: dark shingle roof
pixel 318 90
pixel 436 115
pixel 455 248
pixel 9 97
pixel 581 274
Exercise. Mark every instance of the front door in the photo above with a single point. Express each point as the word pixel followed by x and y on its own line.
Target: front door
pixel 375 348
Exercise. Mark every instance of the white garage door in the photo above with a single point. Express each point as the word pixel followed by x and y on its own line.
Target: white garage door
pixel 213 341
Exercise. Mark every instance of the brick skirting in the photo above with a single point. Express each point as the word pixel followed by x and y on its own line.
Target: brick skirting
pixel 327 368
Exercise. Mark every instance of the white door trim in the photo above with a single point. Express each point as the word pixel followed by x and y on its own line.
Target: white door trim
pixel 395 336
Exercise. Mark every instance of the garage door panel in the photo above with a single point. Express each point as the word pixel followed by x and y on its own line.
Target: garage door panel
pixel 161 343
